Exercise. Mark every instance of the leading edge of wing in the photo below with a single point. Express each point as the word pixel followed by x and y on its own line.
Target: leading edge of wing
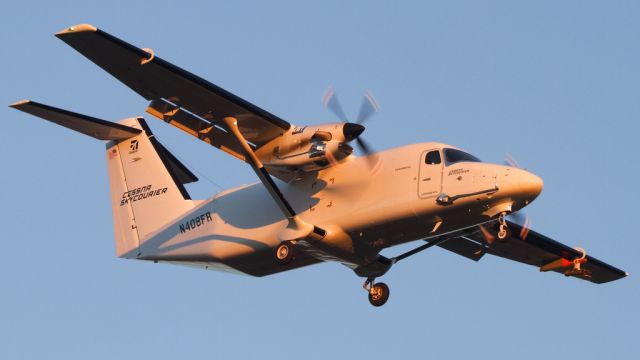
pixel 85 30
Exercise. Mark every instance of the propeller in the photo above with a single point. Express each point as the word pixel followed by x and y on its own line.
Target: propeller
pixel 331 102
pixel 368 108
pixel 488 236
pixel 519 217
pixel 523 220
pixel 352 131
pixel 510 161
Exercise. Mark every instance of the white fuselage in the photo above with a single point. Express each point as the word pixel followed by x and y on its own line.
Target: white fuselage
pixel 364 204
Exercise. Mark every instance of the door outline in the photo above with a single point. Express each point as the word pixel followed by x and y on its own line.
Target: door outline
pixel 422 177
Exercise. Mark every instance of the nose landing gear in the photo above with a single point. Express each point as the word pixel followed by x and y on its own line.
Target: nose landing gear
pixel 503 231
pixel 378 292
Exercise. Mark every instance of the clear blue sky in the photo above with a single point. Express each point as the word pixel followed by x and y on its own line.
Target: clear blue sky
pixel 554 83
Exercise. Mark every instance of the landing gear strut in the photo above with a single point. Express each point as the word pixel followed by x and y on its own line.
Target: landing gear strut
pixel 503 231
pixel 378 292
pixel 285 252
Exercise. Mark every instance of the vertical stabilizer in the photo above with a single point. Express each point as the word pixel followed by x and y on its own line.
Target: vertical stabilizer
pixel 146 187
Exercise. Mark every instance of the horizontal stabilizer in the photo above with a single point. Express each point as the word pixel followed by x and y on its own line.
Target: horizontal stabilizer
pixel 99 129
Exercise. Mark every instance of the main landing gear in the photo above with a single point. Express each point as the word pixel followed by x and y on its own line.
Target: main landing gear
pixel 378 292
pixel 285 252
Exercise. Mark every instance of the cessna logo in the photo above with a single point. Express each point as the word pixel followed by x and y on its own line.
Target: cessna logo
pixel 133 146
pixel 141 193
pixel 298 130
pixel 458 171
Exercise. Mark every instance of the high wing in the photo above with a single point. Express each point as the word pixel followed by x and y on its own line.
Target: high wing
pixel 178 97
pixel 536 249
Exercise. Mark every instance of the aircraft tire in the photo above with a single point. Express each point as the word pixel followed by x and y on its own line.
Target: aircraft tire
pixel 379 294
pixel 284 253
pixel 503 234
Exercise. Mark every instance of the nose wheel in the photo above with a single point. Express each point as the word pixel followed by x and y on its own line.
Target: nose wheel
pixel 378 292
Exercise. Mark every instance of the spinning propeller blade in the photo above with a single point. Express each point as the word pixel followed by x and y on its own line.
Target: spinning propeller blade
pixel 331 102
pixel 352 131
pixel 518 217
pixel 510 161
pixel 523 220
pixel 363 146
pixel 488 237
pixel 368 107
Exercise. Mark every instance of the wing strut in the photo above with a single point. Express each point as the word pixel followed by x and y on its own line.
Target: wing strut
pixel 383 264
pixel 418 249
pixel 297 229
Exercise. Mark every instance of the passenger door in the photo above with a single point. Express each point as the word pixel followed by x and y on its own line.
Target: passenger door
pixel 430 174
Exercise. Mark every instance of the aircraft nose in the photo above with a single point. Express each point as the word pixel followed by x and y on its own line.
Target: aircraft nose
pixel 531 185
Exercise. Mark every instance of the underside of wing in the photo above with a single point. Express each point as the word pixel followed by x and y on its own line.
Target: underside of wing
pixel 178 97
pixel 534 249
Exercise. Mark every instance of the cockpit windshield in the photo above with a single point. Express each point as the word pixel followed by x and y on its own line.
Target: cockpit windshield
pixel 453 156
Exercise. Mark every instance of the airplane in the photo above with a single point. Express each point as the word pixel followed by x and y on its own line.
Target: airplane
pixel 316 201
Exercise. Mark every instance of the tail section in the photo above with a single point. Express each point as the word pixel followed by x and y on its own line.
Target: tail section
pixel 146 180
pixel 146 187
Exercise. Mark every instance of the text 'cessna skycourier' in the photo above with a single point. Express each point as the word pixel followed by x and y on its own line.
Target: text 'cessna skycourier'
pixel 316 201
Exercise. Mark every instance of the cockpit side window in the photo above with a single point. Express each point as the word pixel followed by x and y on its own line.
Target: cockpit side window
pixel 452 156
pixel 433 158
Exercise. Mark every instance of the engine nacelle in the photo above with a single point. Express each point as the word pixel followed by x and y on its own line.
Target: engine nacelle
pixel 312 148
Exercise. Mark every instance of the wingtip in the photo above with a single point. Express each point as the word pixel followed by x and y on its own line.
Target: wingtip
pixel 76 29
pixel 17 104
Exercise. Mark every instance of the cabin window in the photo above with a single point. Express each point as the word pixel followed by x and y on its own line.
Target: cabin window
pixel 433 158
pixel 453 156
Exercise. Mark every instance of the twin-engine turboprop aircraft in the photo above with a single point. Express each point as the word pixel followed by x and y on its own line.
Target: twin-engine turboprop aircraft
pixel 316 201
